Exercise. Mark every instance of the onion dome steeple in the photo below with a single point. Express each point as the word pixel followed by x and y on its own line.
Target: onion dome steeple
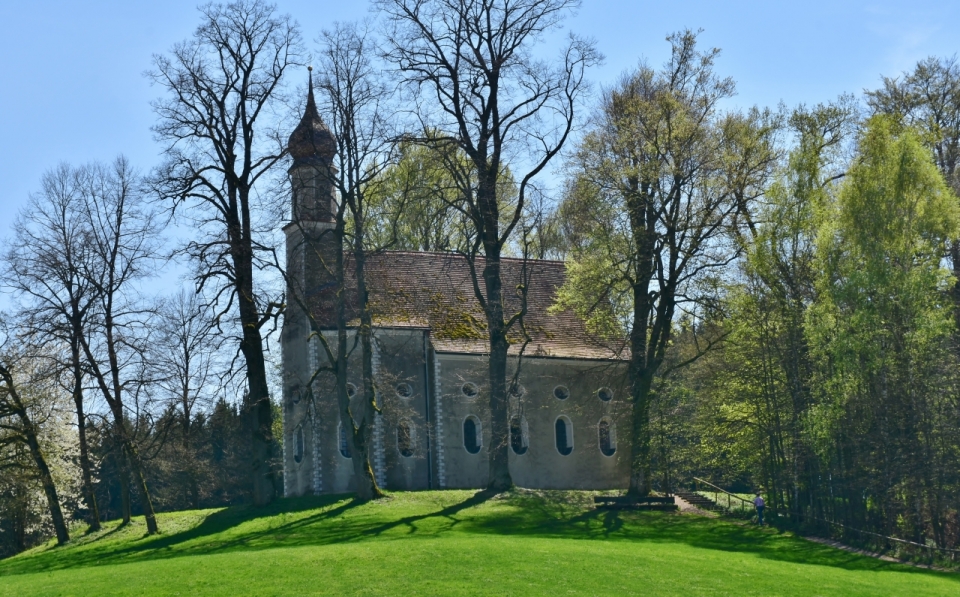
pixel 311 139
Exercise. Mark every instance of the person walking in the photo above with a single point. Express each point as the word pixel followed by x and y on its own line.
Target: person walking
pixel 759 504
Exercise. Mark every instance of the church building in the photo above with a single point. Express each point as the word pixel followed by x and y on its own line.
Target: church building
pixel 569 415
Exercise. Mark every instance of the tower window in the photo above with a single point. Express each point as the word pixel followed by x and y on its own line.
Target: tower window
pixel 605 394
pixel 561 392
pixel 472 434
pixel 519 435
pixel 405 438
pixel 564 432
pixel 608 437
pixel 298 444
pixel 469 390
pixel 344 444
pixel 404 390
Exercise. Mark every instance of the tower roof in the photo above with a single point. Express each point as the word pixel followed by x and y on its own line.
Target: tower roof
pixel 311 138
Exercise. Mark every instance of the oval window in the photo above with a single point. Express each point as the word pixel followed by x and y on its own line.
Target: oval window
pixel 405 439
pixel 472 434
pixel 295 394
pixel 404 390
pixel 298 444
pixel 605 394
pixel 564 432
pixel 561 392
pixel 608 438
pixel 517 391
pixel 469 389
pixel 518 435
pixel 351 390
pixel 344 444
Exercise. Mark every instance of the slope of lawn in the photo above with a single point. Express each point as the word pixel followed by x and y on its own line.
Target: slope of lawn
pixel 453 543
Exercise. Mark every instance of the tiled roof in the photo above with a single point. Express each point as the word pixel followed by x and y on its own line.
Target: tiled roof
pixel 435 291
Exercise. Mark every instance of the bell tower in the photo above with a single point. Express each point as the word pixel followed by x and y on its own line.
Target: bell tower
pixel 313 250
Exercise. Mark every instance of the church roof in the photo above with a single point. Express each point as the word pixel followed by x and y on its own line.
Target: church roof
pixel 435 291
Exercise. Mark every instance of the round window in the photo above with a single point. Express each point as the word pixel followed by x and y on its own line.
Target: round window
pixel 561 392
pixel 517 391
pixel 404 390
pixel 605 394
pixel 351 390
pixel 469 390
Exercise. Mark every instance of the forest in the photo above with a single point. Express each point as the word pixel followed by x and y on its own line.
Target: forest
pixel 783 282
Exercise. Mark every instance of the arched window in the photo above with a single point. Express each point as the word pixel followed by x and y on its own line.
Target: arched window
pixel 344 444
pixel 295 394
pixel 608 437
pixel 564 430
pixel 405 433
pixel 472 434
pixel 519 435
pixel 298 444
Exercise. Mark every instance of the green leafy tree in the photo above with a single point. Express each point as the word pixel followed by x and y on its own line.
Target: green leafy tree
pixel 657 186
pixel 879 327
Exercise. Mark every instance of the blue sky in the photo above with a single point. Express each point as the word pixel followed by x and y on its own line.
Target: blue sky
pixel 71 84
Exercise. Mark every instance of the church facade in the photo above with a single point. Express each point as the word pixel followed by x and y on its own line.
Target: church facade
pixel 568 415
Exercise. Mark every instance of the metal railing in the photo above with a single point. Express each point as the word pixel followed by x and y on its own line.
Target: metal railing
pixel 932 548
pixel 718 490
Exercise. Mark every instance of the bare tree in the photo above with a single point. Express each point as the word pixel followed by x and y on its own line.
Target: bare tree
pixel 478 87
pixel 122 232
pixel 186 359
pixel 45 267
pixel 355 96
pixel 222 86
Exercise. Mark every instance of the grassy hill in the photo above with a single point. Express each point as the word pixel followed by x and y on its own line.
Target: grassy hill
pixel 453 543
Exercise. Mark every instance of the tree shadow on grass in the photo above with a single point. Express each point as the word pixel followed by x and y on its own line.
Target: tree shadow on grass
pixel 327 520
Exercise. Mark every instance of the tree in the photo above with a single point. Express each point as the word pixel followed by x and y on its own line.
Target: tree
pixel 479 89
pixel 45 267
pixel 121 235
pixel 660 179
pixel 21 419
pixel 188 367
pixel 413 206
pixel 223 87
pixel 929 98
pixel 879 327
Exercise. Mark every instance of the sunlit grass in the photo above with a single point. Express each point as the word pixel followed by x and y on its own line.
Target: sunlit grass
pixel 453 543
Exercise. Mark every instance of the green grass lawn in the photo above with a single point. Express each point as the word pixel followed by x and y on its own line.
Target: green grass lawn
pixel 453 543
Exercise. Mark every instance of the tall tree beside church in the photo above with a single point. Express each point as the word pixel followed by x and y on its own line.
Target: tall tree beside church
pixel 355 96
pixel 660 177
pixel 221 142
pixel 480 89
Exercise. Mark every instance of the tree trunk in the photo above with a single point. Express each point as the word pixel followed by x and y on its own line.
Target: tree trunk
pixel 499 475
pixel 85 469
pixel 257 414
pixel 367 488
pixel 641 380
pixel 49 489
